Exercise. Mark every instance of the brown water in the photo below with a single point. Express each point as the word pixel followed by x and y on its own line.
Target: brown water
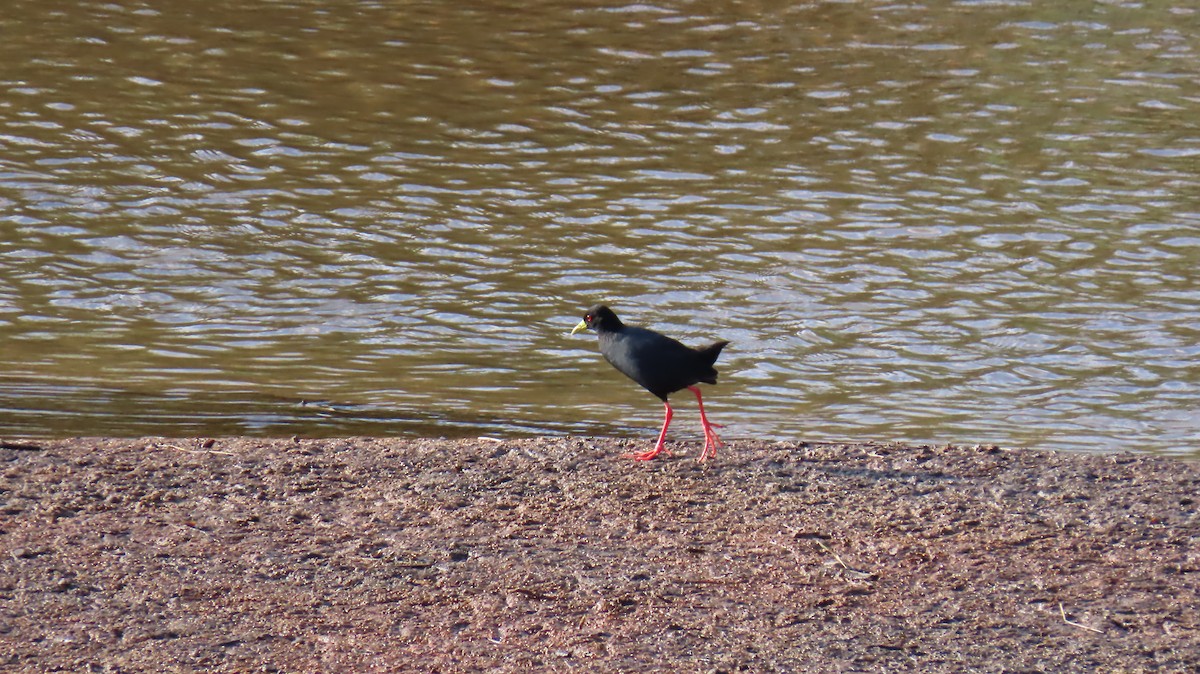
pixel 950 221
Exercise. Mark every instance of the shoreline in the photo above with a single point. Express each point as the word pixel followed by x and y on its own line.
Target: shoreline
pixel 369 554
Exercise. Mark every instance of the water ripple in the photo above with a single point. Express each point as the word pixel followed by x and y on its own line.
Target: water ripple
pixel 964 223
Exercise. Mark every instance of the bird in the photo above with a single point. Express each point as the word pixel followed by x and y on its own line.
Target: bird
pixel 661 365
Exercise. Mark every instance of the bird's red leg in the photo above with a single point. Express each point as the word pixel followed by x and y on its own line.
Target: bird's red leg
pixel 711 441
pixel 662 437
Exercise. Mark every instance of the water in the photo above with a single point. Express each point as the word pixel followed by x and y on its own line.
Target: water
pixel 950 222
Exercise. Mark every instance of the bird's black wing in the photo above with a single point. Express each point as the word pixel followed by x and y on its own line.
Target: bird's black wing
pixel 660 364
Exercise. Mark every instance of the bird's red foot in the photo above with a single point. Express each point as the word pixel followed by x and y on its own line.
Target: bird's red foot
pixel 662 438
pixel 646 456
pixel 711 442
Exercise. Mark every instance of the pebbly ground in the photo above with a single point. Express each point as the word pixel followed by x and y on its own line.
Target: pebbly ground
pixel 554 554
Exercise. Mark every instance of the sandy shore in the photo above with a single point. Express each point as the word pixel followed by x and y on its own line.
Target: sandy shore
pixel 366 555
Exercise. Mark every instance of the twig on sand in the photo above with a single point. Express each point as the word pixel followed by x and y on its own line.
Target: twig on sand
pixel 1072 623
pixel 196 451
pixel 835 555
pixel 193 527
pixel 850 570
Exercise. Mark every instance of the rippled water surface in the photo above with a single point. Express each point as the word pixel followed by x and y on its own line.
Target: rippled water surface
pixel 948 221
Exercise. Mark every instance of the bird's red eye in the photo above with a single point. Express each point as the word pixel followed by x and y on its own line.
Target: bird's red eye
pixel 588 318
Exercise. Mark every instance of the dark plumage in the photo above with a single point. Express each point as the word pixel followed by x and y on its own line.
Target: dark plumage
pixel 660 364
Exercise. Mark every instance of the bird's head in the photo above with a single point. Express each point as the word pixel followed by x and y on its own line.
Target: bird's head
pixel 598 318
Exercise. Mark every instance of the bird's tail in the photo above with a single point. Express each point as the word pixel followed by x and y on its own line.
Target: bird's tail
pixel 708 355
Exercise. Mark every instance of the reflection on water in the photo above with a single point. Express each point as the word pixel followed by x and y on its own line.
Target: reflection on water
pixel 968 222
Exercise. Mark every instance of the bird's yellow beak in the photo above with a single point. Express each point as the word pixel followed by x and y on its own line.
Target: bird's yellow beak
pixel 582 326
